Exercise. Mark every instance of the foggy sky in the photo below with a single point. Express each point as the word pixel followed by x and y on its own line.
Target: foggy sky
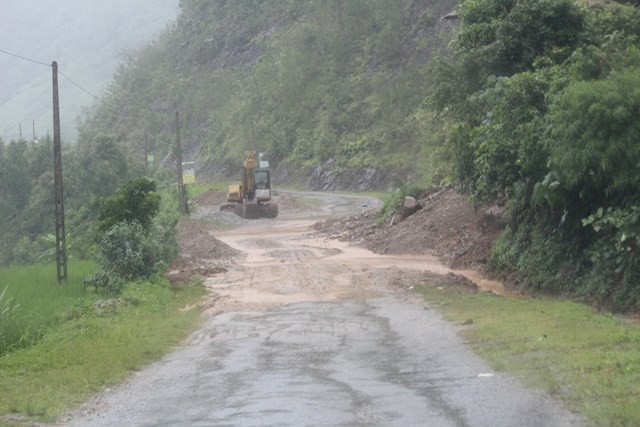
pixel 86 37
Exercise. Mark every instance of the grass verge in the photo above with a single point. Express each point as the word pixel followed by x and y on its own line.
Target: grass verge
pixel 91 349
pixel 589 361
pixel 31 299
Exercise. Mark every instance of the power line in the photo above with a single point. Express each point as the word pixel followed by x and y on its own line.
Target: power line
pixel 49 65
pixel 77 85
pixel 25 58
pixel 107 104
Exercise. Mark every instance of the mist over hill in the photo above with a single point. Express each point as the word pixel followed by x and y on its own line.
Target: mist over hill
pixel 88 38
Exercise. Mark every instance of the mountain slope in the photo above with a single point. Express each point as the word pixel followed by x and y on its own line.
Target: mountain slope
pixel 330 83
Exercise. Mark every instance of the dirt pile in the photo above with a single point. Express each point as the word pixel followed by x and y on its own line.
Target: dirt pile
pixel 201 254
pixel 210 197
pixel 447 226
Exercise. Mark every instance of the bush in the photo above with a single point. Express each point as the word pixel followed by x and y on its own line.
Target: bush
pixel 136 200
pixel 615 256
pixel 395 200
pixel 27 251
pixel 129 252
pixel 9 335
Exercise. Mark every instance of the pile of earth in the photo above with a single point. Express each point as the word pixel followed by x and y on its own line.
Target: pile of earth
pixel 447 226
pixel 201 254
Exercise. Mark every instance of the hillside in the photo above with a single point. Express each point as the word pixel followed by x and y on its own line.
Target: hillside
pixel 328 89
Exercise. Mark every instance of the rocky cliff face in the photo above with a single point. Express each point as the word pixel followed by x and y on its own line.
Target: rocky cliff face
pixel 324 177
pixel 329 177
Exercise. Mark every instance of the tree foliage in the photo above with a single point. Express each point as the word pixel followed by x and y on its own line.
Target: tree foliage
pixel 26 198
pixel 133 242
pixel 134 201
pixel 542 98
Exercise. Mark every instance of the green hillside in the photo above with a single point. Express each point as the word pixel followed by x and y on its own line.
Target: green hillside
pixel 333 83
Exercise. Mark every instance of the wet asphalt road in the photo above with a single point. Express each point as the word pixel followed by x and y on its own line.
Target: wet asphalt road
pixel 374 359
pixel 345 363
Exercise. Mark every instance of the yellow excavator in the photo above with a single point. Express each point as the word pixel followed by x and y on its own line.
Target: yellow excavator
pixel 251 199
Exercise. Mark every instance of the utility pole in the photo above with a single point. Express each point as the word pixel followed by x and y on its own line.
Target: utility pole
pixel 182 191
pixel 61 246
pixel 146 154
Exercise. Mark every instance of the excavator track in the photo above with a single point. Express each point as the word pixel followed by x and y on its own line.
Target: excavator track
pixel 252 210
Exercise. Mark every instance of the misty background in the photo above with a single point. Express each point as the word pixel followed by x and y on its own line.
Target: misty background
pixel 88 39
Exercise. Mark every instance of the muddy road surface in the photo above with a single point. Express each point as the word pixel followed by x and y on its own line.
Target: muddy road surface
pixel 305 330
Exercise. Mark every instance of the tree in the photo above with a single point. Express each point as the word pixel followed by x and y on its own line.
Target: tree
pixel 503 37
pixel 594 141
pixel 133 242
pixel 102 166
pixel 134 201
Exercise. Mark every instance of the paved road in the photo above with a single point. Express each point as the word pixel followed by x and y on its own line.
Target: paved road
pixel 310 332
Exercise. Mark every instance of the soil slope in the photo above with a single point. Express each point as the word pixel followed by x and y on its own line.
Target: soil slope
pixel 447 226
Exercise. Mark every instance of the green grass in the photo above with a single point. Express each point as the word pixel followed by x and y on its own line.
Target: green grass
pixel 169 195
pixel 588 360
pixel 195 189
pixel 32 299
pixel 93 349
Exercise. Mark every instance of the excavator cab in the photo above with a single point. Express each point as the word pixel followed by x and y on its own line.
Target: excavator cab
pixel 262 185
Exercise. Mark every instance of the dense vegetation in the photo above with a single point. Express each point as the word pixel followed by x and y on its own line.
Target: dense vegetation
pixel 542 101
pixel 92 173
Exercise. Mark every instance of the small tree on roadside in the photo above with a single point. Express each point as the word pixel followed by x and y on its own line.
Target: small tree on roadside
pixel 136 200
pixel 133 242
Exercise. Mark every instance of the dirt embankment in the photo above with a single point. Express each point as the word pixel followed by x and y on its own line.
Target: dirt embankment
pixel 201 254
pixel 447 226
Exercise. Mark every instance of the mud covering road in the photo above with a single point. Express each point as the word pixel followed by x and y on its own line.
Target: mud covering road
pixel 306 330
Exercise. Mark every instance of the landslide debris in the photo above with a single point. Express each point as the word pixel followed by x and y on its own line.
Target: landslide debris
pixel 447 226
pixel 201 254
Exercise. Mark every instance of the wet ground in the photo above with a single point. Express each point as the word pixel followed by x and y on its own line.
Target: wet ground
pixel 307 330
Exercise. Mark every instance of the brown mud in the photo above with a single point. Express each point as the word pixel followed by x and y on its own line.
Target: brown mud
pixel 317 252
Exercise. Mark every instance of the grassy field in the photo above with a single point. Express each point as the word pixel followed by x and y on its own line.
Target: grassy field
pixel 589 361
pixel 31 299
pixel 90 349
